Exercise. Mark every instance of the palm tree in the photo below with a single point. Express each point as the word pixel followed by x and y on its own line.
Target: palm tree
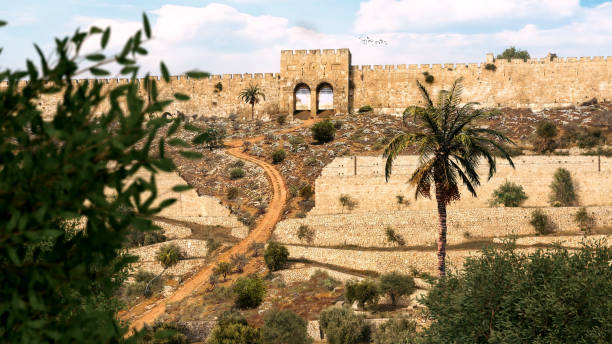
pixel 168 256
pixel 450 149
pixel 251 95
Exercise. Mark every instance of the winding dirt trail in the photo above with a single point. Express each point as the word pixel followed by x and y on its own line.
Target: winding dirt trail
pixel 147 312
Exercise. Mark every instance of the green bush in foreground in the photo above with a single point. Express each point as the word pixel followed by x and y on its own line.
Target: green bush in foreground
pixel 541 223
pixel 276 256
pixel 286 327
pixel 509 195
pixel 249 291
pixel 278 156
pixel 395 331
pixel 505 296
pixel 342 326
pixel 232 328
pixel 323 131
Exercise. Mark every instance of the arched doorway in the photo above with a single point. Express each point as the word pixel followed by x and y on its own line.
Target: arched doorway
pixel 301 98
pixel 325 98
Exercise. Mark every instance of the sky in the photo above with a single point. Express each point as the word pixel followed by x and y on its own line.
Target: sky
pixel 246 36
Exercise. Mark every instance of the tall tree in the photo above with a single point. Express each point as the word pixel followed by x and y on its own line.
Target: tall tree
pixel 450 148
pixel 252 94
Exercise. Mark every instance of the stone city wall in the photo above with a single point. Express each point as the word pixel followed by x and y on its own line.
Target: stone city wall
pixel 362 178
pixel 420 228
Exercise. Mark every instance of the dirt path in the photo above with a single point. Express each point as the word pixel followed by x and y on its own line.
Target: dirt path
pixel 147 312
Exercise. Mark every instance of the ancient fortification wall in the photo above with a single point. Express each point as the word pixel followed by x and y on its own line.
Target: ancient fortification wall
pixel 362 178
pixel 534 83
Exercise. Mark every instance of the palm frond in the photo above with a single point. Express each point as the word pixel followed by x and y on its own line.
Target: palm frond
pixel 397 145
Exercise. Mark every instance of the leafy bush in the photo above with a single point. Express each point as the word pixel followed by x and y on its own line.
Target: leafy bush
pixel 212 137
pixel 169 255
pixel 305 233
pixel 223 268
pixel 239 261
pixel 236 173
pixel 396 285
pixel 278 156
pixel 276 256
pixel 256 247
pixel 249 292
pixel 218 87
pixel 284 326
pixel 508 194
pixel 395 331
pixel 546 131
pixel 306 192
pixel 137 238
pixel 585 221
pixel 342 326
pixel 562 189
pixel 281 119
pixel 233 328
pixel 294 191
pixel 514 53
pixel 505 296
pixel 348 202
pixel 364 292
pixel 590 138
pixel 490 66
pixel 311 161
pixel 394 237
pixel 429 79
pixel 323 131
pixel 232 193
pixel 296 140
pixel 365 108
pixel 163 333
pixel 541 223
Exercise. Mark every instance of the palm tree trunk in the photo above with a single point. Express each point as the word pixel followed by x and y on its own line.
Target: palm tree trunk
pixel 147 292
pixel 252 111
pixel 441 233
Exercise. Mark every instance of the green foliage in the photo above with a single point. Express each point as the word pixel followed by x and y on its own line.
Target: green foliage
pixel 365 108
pixel 306 192
pixel 232 193
pixel 541 223
pixel 394 331
pixel 323 131
pixel 58 281
pixel 233 328
pixel 347 202
pixel 168 255
pixel 281 119
pixel 137 238
pixel 163 333
pixel 490 66
pixel 306 233
pixel 252 94
pixel 365 292
pixel 429 79
pixel 394 237
pixel 585 221
pixel 276 256
pixel 296 140
pixel 141 279
pixel 212 137
pixel 249 292
pixel 284 326
pixel 590 138
pixel 562 192
pixel 223 268
pixel 508 194
pixel 504 296
pixel 218 87
pixel 237 164
pixel 239 261
pixel 546 131
pixel 342 326
pixel 237 173
pixel 395 285
pixel 278 156
pixel 514 53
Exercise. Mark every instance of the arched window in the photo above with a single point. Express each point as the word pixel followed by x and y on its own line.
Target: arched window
pixel 302 97
pixel 325 97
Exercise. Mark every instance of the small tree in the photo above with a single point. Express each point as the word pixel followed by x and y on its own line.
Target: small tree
pixel 278 156
pixel 396 285
pixel 276 256
pixel 562 189
pixel 286 327
pixel 232 327
pixel 509 195
pixel 365 292
pixel 541 223
pixel 514 53
pixel 394 237
pixel 323 131
pixel 249 292
pixel 305 233
pixel 252 94
pixel 342 326
pixel 223 268
pixel 256 247
pixel 168 256
pixel 348 202
pixel 546 131
pixel 585 221
pixel 239 261
pixel 213 279
pixel 395 331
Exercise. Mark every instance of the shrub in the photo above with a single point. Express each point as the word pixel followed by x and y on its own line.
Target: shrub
pixel 365 108
pixel 429 79
pixel 310 161
pixel 237 164
pixel 590 138
pixel 236 173
pixel 509 195
pixel 137 237
pixel 490 66
pixel 294 190
pixel 513 53
pixel 562 189
pixel 323 131
pixel 505 296
pixel 284 326
pixel 364 292
pixel 546 131
pixel 212 137
pixel 218 87
pixel 232 193
pixel 163 333
pixel 278 156
pixel 305 233
pixel 342 326
pixel 338 124
pixel 296 140
pixel 541 223
pixel 276 256
pixel 239 261
pixel 223 268
pixel 233 328
pixel 394 331
pixel 306 192
pixel 256 247
pixel 585 221
pixel 249 292
pixel 281 119
pixel 394 237
pixel 396 285
pixel 348 202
